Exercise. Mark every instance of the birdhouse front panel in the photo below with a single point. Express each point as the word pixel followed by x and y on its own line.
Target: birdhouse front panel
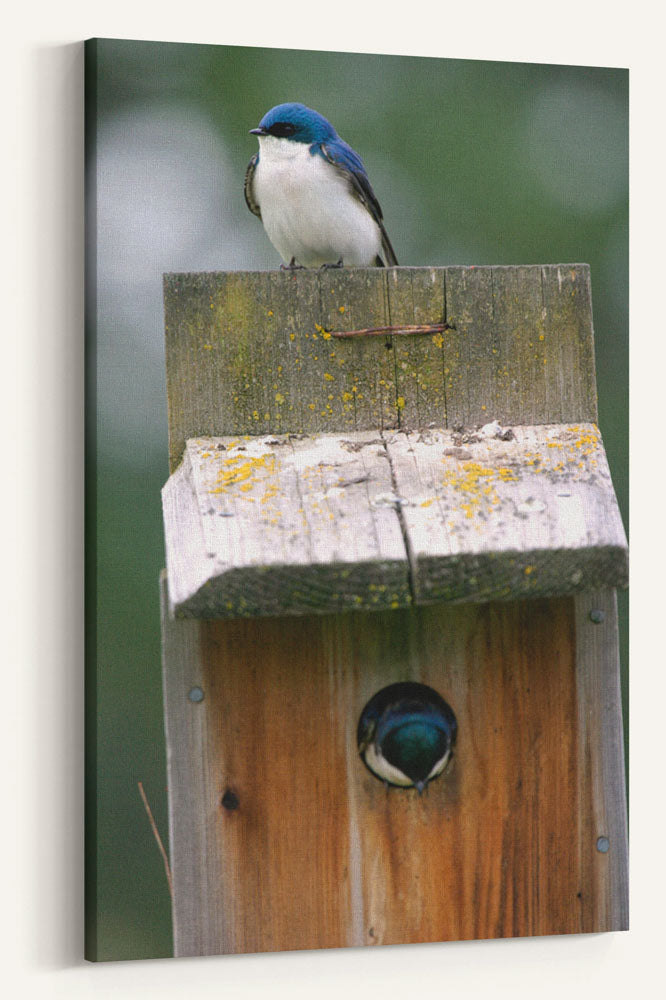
pixel 282 838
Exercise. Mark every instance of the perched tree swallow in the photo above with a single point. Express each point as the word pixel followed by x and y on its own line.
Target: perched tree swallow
pixel 311 191
pixel 406 735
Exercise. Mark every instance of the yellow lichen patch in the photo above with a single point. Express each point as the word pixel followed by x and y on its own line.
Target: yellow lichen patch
pixel 589 438
pixel 475 485
pixel 269 494
pixel 438 340
pixel 244 471
pixel 328 376
pixel 279 398
pixel 578 443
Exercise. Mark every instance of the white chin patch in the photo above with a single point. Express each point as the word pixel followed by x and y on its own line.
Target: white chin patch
pixel 439 766
pixel 387 772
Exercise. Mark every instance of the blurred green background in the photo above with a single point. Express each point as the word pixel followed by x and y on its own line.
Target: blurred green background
pixel 473 163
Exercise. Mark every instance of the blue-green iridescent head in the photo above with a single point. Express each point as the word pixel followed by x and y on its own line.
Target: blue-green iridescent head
pixel 296 122
pixel 406 734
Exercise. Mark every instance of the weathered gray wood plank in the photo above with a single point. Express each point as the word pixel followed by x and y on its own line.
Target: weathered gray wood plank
pixel 278 525
pixel 568 344
pixel 604 852
pixel 490 518
pixel 418 296
pixel 196 909
pixel 519 343
pixel 253 352
pixel 471 362
pixel 294 525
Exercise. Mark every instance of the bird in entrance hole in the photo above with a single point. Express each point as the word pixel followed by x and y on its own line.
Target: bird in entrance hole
pixel 311 191
pixel 406 734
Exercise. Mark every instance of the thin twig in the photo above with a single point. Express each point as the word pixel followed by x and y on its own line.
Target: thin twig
pixel 405 331
pixel 156 834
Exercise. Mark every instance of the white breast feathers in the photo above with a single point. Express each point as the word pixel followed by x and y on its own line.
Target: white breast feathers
pixel 308 210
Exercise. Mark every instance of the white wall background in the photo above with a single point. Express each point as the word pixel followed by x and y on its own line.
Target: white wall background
pixel 41 518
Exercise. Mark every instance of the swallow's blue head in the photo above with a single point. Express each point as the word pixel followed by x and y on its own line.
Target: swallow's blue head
pixel 296 122
pixel 406 734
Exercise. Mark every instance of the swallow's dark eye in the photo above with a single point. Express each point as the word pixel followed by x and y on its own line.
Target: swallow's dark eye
pixel 282 130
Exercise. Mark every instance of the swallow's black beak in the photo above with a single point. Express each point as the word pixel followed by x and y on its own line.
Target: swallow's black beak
pixel 257 131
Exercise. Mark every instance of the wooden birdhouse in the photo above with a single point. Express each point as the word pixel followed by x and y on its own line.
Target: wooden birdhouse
pixel 378 477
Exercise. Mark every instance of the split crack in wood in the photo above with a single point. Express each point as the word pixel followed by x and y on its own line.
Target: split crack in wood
pixel 411 562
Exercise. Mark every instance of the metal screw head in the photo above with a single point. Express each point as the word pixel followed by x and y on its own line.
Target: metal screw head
pixel 195 694
pixel 597 616
pixel 603 844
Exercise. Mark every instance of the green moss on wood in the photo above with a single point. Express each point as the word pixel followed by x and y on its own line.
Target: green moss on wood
pixel 251 352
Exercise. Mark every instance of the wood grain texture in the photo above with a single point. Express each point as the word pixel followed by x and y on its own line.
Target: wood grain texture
pixel 270 525
pixel 251 352
pixel 318 853
pixel 489 518
pixel 186 734
pixel 601 744
pixel 294 525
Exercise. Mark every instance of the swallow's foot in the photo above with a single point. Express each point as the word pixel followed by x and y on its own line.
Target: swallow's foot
pixel 292 266
pixel 339 264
